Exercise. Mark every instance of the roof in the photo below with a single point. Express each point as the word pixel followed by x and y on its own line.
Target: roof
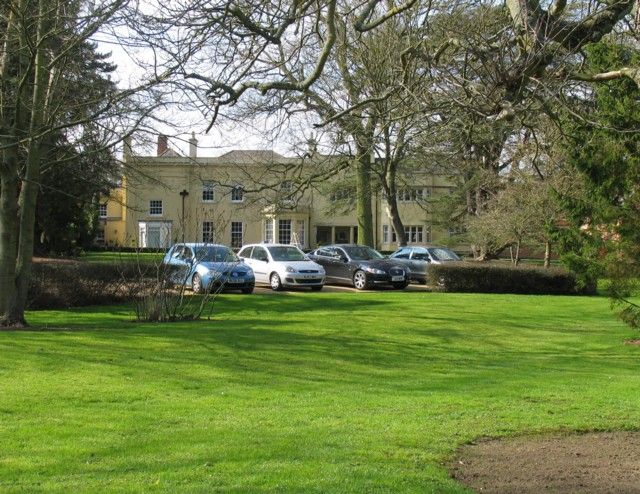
pixel 253 156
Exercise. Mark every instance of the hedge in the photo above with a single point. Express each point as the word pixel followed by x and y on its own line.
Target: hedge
pixel 491 278
pixel 71 284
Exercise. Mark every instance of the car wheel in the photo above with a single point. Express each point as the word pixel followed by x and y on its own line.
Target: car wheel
pixel 401 286
pixel 248 290
pixel 196 283
pixel 316 288
pixel 275 282
pixel 360 280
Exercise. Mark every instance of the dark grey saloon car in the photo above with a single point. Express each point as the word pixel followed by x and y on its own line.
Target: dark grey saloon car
pixel 359 266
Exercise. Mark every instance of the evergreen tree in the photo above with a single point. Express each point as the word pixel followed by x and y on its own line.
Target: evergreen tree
pixel 606 148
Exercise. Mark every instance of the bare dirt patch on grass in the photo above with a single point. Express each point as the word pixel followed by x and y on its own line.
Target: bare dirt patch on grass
pixel 607 462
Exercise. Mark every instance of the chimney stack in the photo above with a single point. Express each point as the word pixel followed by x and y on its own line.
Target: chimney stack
pixel 193 146
pixel 163 144
pixel 312 146
pixel 126 148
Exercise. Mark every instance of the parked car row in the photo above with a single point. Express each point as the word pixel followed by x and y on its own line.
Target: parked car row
pixel 204 267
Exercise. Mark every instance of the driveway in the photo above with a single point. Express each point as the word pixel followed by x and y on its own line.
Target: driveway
pixel 341 289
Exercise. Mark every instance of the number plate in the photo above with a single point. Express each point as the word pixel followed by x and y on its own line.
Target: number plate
pixel 235 280
pixel 397 278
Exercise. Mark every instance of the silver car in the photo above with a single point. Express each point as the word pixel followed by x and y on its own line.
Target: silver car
pixel 282 265
pixel 416 260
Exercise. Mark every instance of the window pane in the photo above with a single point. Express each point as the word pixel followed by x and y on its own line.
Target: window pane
pixel 237 194
pixel 268 231
pixel 300 232
pixel 284 231
pixel 207 191
pixel 207 231
pixel 155 207
pixel 236 234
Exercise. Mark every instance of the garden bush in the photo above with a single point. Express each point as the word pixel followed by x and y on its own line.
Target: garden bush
pixel 72 284
pixel 493 278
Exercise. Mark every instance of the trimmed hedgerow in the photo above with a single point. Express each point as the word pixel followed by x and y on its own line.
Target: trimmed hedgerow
pixel 492 278
pixel 73 284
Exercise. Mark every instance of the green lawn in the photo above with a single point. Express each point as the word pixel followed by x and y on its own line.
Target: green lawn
pixel 301 392
pixel 115 256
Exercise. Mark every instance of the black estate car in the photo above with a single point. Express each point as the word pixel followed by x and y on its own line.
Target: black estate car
pixel 360 266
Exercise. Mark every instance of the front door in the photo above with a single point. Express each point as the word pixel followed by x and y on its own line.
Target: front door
pixel 342 234
pixel 154 234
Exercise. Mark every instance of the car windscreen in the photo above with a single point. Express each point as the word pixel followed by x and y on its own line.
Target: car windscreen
pixel 284 253
pixel 362 253
pixel 215 254
pixel 443 255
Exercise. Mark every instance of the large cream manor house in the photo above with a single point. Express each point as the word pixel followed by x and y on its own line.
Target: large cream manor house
pixel 251 196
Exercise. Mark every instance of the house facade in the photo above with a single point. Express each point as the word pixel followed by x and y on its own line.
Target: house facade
pixel 253 196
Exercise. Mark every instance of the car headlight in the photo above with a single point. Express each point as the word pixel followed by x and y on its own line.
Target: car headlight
pixel 369 269
pixel 290 269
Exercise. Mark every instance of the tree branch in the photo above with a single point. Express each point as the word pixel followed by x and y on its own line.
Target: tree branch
pixel 630 72
pixel 361 25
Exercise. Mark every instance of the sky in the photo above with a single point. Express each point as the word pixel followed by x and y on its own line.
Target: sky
pixel 223 137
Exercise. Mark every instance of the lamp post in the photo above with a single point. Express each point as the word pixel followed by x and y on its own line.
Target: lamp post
pixel 183 194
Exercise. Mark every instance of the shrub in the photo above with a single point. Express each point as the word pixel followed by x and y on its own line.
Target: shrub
pixel 72 284
pixel 492 278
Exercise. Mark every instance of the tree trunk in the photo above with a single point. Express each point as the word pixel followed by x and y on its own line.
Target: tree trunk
pixel 12 123
pixel 516 259
pixel 8 235
pixel 396 221
pixel 25 207
pixel 363 199
pixel 547 254
pixel 389 187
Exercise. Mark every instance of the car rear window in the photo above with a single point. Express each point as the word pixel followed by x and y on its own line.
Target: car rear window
pixel 362 253
pixel 215 254
pixel 443 255
pixel 286 253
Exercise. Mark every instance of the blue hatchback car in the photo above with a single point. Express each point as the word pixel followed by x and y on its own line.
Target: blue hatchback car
pixel 203 267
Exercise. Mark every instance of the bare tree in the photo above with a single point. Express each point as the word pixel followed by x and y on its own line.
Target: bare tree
pixel 41 43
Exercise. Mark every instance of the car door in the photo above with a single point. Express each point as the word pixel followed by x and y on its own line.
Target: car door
pixel 343 266
pixel 323 256
pixel 183 266
pixel 169 263
pixel 420 262
pixel 402 257
pixel 245 255
pixel 260 264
